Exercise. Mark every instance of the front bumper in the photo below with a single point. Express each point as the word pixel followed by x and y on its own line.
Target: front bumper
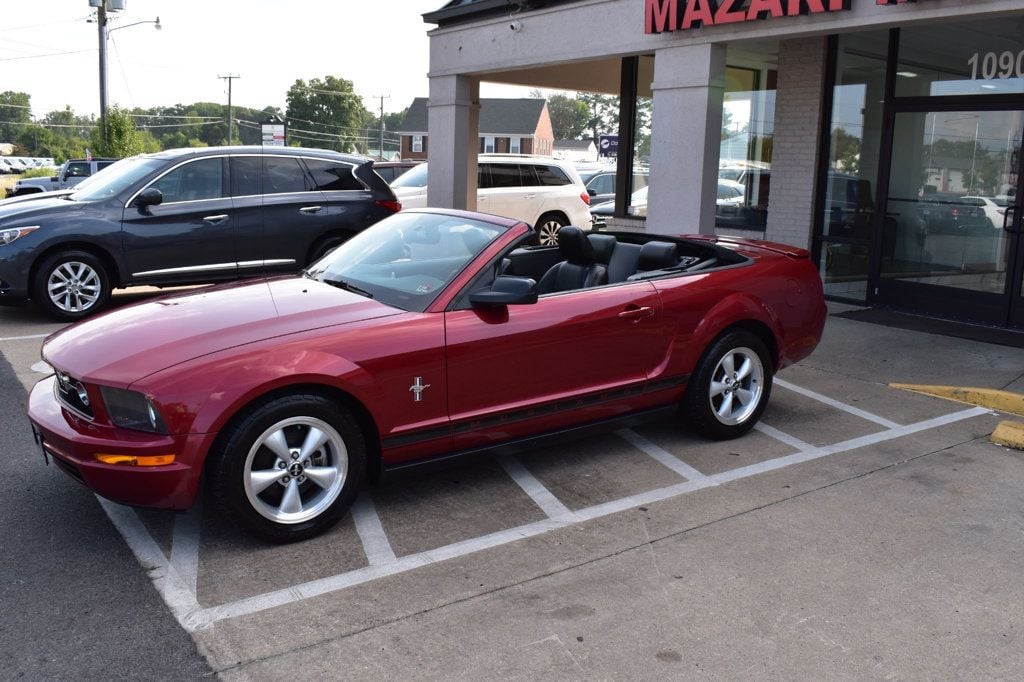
pixel 73 443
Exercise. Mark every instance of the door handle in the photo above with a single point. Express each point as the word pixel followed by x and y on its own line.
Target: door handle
pixel 1009 218
pixel 214 219
pixel 636 313
pixel 530 196
pixel 310 209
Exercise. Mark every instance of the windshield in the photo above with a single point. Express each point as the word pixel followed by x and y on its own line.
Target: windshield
pixel 414 177
pixel 406 260
pixel 116 178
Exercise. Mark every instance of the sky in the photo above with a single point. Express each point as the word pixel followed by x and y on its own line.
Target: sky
pixel 382 47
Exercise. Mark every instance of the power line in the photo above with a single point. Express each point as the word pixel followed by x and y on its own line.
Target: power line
pixel 40 56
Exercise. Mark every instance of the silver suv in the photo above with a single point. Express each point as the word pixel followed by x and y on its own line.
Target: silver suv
pixel 541 191
pixel 69 175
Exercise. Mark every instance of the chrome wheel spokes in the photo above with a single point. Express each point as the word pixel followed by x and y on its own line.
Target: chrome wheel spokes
pixel 74 286
pixel 737 385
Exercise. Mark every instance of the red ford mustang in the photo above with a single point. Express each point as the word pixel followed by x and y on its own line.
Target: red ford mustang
pixel 432 334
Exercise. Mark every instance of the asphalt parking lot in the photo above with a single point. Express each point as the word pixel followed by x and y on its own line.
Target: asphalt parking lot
pixel 859 531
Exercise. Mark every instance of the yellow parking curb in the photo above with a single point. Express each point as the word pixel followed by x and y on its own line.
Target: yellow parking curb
pixel 994 399
pixel 1010 434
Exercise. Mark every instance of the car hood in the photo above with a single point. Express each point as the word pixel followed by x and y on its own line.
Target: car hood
pixel 27 207
pixel 123 346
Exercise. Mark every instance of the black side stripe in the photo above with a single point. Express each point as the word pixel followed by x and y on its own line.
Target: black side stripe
pixel 524 414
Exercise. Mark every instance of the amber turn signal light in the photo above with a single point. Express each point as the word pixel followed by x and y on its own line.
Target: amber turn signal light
pixel 137 460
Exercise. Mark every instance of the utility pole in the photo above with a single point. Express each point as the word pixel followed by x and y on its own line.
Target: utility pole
pixel 381 148
pixel 101 23
pixel 230 79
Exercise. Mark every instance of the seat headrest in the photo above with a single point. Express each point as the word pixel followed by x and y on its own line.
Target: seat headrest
pixel 603 245
pixel 658 255
pixel 575 247
pixel 475 239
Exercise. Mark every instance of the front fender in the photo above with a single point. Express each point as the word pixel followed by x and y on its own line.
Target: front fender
pixel 202 395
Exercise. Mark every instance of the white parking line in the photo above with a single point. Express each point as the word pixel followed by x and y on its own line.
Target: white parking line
pixel 791 441
pixel 856 411
pixel 543 497
pixel 375 541
pixel 184 605
pixel 185 546
pixel 661 455
pixel 24 338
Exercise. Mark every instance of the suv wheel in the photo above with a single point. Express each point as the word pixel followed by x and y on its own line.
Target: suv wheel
pixel 71 284
pixel 548 227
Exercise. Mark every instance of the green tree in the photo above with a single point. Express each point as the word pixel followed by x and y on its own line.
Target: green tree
pixel 123 139
pixel 325 113
pixel 14 114
pixel 603 116
pixel 569 116
pixel 846 151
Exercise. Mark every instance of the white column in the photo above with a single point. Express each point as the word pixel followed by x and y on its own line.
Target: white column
pixel 686 132
pixel 453 124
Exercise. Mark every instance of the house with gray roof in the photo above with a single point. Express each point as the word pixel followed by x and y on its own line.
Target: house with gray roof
pixel 507 126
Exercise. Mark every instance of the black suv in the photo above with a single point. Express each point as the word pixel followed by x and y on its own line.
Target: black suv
pixel 185 216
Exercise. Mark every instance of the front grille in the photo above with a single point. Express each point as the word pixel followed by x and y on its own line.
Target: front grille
pixel 71 393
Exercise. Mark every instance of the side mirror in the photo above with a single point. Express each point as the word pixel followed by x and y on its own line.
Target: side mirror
pixel 592 192
pixel 506 290
pixel 150 196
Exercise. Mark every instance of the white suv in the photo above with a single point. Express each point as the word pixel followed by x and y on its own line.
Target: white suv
pixel 544 192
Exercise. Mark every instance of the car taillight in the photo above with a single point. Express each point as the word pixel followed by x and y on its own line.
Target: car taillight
pixel 393 206
pixel 586 198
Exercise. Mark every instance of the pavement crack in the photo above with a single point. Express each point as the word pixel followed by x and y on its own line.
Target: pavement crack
pixel 647 543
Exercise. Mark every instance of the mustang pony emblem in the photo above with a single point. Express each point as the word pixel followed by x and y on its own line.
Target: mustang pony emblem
pixel 417 389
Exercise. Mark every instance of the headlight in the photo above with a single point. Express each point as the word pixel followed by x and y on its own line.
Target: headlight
pixel 8 236
pixel 132 410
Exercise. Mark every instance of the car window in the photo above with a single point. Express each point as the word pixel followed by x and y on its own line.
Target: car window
pixel 77 170
pixel 551 176
pixel 728 192
pixel 283 175
pixel 387 173
pixel 193 181
pixel 100 165
pixel 504 175
pixel 414 177
pixel 603 184
pixel 245 176
pixel 116 179
pixel 332 176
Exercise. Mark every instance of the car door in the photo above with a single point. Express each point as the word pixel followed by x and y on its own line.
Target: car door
pixel 504 193
pixel 572 357
pixel 349 205
pixel 277 227
pixel 188 236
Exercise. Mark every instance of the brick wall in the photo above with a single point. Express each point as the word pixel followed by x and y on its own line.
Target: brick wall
pixel 795 148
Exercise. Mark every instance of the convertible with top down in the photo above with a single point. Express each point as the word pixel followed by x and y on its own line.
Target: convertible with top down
pixel 432 334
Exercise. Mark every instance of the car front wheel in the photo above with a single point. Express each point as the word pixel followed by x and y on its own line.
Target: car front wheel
pixel 71 285
pixel 731 386
pixel 291 468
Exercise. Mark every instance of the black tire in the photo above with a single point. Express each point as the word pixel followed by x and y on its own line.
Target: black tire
pixel 86 285
pixel 241 456
pixel 704 405
pixel 548 227
pixel 325 246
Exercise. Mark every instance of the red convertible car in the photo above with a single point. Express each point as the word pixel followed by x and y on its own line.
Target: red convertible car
pixel 432 334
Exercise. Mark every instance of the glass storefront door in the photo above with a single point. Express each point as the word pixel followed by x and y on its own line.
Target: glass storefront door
pixel 951 235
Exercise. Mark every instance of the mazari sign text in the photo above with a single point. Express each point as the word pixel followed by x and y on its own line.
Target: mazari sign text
pixel 680 15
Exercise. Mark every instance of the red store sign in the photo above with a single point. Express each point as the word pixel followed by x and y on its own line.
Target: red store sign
pixel 680 15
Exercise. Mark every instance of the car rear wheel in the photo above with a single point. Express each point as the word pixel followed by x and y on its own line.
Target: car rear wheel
pixel 730 389
pixel 71 284
pixel 548 227
pixel 291 468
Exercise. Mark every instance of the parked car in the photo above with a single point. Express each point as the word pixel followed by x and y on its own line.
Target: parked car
pixel 729 194
pixel 7 166
pixel 184 216
pixel 70 174
pixel 948 213
pixel 392 170
pixel 601 185
pixel 993 208
pixel 539 191
pixel 432 334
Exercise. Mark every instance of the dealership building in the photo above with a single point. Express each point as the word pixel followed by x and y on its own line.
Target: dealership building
pixel 882 135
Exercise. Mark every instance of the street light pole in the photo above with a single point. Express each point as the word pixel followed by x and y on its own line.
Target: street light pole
pixel 230 78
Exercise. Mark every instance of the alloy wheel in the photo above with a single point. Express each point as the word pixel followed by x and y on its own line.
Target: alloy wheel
pixel 737 385
pixel 74 286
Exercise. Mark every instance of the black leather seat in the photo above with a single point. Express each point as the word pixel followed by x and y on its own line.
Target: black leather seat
pixel 578 270
pixel 655 255
pixel 621 258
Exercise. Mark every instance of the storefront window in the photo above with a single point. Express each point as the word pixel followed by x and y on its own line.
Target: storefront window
pixel 971 58
pixel 748 128
pixel 854 147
